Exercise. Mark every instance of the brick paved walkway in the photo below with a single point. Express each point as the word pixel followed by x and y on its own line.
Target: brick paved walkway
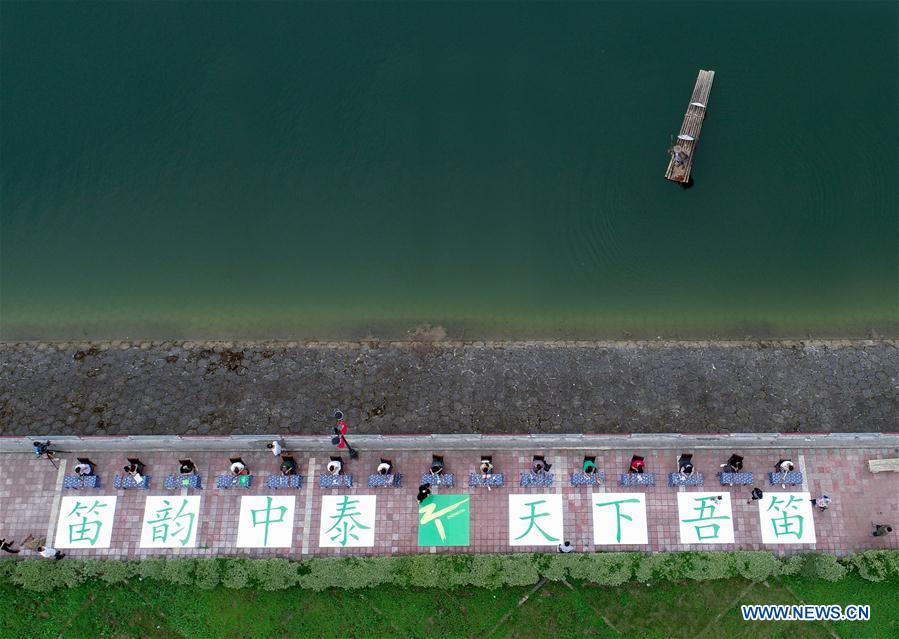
pixel 30 491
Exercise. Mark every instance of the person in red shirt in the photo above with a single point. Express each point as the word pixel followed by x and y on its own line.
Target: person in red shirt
pixel 340 431
pixel 637 465
pixel 339 438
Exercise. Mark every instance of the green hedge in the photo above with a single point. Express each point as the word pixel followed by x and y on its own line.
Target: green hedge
pixel 447 571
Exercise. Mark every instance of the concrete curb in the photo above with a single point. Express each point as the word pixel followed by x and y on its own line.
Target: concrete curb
pixel 441 442
pixel 220 345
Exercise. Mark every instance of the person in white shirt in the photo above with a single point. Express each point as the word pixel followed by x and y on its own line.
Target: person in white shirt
pixel 334 467
pixel 784 466
pixel 50 553
pixel 135 469
pixel 275 447
pixel 540 466
pixel 238 468
pixel 83 469
pixel 486 471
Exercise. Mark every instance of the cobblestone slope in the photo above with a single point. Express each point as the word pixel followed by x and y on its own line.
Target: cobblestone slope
pixel 439 387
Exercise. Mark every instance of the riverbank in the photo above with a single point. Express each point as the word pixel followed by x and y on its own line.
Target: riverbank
pixel 116 388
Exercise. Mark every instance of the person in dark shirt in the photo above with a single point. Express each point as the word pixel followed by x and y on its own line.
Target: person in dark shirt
pixel 288 466
pixel 733 465
pixel 6 545
pixel 424 491
pixel 685 465
pixel 41 448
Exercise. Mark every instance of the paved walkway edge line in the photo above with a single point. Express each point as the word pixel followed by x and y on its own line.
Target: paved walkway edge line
pixel 311 478
pixel 309 443
pixel 121 344
pixel 57 498
pixel 804 473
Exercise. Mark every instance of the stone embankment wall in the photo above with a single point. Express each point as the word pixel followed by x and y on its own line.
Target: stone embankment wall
pixel 444 387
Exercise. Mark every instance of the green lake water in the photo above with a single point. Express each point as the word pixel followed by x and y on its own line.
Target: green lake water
pixel 343 169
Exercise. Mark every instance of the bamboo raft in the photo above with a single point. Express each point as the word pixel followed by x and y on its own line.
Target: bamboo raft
pixel 681 162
